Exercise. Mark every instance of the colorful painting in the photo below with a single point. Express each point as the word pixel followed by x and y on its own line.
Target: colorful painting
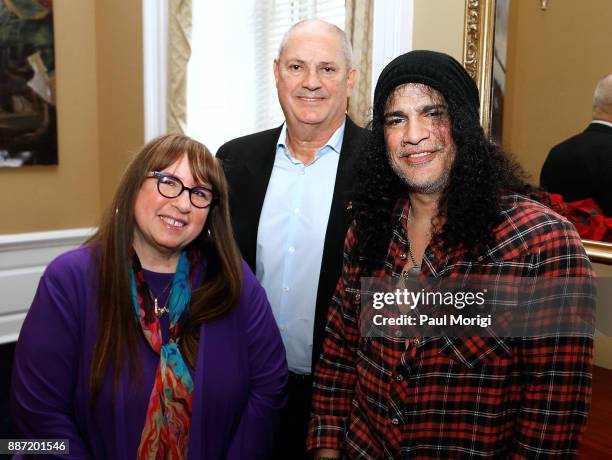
pixel 28 121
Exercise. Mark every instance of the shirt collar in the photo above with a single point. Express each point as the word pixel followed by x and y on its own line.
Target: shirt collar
pixel 602 122
pixel 401 210
pixel 334 142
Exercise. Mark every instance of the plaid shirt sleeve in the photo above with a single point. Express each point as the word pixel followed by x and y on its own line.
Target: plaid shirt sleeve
pixel 334 379
pixel 557 369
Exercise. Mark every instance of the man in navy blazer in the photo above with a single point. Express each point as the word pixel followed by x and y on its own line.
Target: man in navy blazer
pixel 581 166
pixel 289 202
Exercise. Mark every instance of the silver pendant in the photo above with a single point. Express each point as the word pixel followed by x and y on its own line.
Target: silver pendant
pixel 159 311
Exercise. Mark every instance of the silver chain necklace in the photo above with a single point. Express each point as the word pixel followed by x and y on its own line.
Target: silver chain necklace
pixel 416 268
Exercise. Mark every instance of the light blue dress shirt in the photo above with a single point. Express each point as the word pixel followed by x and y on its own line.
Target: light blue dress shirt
pixel 290 241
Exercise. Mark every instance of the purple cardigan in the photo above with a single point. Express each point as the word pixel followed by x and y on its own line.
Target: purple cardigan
pixel 239 383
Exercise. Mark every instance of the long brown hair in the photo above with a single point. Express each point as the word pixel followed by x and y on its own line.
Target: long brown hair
pixel 112 249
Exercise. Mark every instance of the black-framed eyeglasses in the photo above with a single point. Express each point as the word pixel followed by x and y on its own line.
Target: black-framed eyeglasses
pixel 171 187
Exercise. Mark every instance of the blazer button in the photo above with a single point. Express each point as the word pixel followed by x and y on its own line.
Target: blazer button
pixel 357 296
pixel 395 421
pixel 403 256
pixel 399 377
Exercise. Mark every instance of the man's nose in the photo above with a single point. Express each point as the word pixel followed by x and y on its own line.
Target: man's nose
pixel 311 80
pixel 414 132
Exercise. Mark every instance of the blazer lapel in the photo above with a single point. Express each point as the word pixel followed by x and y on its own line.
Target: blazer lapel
pixel 353 135
pixel 257 172
pixel 260 165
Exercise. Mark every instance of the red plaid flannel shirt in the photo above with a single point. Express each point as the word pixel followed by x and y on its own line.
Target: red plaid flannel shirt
pixel 457 397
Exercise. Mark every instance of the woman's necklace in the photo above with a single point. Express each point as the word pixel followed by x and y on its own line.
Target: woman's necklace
pixel 159 311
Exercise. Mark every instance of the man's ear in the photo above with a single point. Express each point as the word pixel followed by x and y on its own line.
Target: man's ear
pixel 276 70
pixel 351 79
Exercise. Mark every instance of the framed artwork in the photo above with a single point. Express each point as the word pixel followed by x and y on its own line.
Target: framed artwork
pixel 28 118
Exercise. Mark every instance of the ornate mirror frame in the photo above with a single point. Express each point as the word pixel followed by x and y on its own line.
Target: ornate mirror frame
pixel 478 36
pixel 478 51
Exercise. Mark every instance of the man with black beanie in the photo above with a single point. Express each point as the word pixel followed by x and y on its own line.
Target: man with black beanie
pixel 437 201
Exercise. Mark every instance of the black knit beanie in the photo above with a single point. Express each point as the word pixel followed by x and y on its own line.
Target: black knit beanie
pixel 437 70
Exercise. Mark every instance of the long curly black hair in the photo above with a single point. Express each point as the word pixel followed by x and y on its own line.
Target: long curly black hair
pixel 469 204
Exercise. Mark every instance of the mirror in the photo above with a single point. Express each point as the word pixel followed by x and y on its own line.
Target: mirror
pixel 536 87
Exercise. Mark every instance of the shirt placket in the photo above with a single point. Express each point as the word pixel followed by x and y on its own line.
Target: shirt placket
pixel 299 169
pixel 401 392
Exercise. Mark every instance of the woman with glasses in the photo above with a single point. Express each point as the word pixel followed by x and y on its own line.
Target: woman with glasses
pixel 153 340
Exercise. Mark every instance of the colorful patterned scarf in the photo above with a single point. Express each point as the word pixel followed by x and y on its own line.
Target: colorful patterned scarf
pixel 166 430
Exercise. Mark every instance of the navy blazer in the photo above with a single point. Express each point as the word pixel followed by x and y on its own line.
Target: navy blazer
pixel 248 163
